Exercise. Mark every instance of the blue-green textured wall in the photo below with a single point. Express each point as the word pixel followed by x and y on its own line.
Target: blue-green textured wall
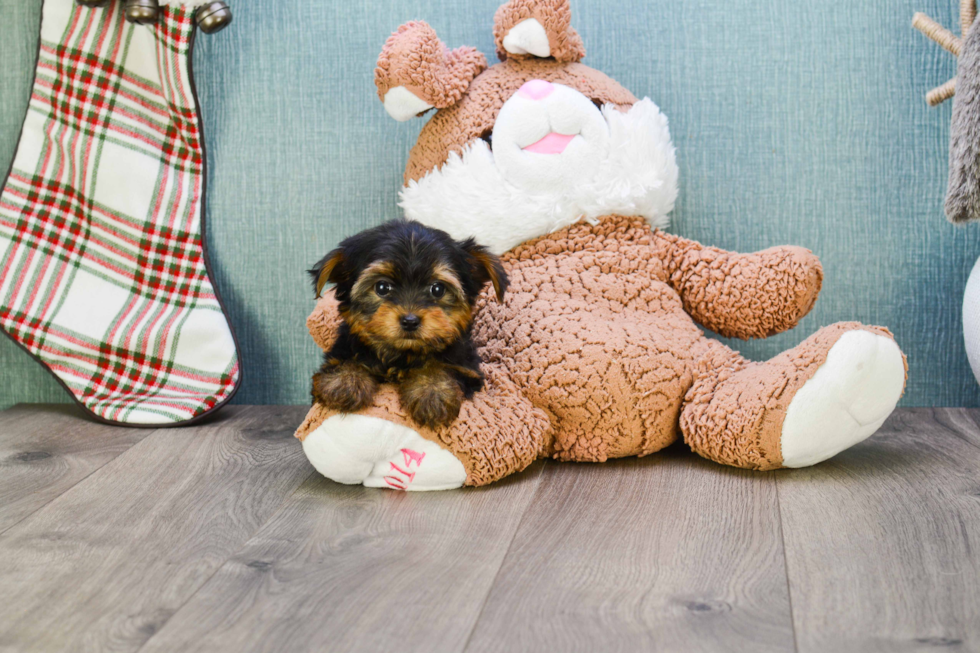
pixel 795 122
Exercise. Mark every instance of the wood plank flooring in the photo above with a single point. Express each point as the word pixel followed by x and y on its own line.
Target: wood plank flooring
pixel 221 537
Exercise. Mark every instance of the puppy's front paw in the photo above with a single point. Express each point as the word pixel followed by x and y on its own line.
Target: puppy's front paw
pixel 432 403
pixel 346 388
pixel 433 409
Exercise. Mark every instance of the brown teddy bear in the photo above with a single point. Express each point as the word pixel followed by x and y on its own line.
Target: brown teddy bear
pixel 596 352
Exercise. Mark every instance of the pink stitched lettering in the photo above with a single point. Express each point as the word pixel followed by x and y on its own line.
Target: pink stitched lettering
pixel 397 482
pixel 394 482
pixel 410 475
pixel 412 456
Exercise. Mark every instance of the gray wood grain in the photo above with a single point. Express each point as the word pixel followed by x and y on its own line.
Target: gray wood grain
pixel 666 553
pixel 45 450
pixel 221 537
pixel 103 566
pixel 882 541
pixel 353 569
pixel 963 423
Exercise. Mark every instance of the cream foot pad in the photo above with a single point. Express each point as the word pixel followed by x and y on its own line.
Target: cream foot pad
pixel 357 449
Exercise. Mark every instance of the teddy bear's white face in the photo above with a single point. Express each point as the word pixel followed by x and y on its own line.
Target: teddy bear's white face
pixel 554 159
pixel 549 137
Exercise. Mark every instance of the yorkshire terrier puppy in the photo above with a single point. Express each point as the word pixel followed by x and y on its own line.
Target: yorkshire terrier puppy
pixel 406 295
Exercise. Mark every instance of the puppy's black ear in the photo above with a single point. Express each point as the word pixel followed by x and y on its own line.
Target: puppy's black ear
pixel 329 269
pixel 487 267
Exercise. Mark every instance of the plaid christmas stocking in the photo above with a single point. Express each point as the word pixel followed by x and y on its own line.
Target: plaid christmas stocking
pixel 103 270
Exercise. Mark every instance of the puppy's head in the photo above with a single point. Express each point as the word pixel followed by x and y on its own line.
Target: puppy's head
pixel 406 287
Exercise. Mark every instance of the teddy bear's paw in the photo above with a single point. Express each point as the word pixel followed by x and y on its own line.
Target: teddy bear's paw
pixel 359 449
pixel 845 401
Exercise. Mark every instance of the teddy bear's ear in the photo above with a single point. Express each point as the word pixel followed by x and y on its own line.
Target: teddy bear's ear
pixel 417 72
pixel 536 28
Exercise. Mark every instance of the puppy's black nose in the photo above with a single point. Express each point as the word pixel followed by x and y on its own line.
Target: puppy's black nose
pixel 411 322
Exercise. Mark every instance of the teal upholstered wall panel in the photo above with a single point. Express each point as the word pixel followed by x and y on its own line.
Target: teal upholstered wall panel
pixel 795 122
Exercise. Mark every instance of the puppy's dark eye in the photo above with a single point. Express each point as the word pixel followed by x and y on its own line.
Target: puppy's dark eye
pixel 382 288
pixel 437 290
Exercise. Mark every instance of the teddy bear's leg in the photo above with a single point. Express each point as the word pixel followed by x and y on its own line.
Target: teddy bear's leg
pixel 497 433
pixel 802 407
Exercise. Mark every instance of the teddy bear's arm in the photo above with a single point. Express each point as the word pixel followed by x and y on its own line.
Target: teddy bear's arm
pixel 742 295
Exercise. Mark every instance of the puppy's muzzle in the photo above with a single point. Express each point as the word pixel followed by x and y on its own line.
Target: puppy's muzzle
pixel 410 322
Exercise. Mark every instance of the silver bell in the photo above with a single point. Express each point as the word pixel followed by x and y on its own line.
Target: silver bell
pixel 142 12
pixel 213 17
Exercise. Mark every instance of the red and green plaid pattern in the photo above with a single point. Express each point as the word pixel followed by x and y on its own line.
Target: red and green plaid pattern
pixel 102 270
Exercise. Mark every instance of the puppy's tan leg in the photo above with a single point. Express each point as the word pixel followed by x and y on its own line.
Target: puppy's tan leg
pixel 431 396
pixel 346 387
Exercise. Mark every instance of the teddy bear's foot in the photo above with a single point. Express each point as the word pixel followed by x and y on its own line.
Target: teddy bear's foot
pixel 498 432
pixel 369 451
pixel 802 407
pixel 845 401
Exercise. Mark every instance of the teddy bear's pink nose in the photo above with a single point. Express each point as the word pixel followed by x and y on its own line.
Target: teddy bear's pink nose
pixel 536 89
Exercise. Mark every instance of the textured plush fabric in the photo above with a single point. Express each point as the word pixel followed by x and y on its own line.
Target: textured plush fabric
pixel 415 58
pixel 470 196
pixel 963 191
pixel 598 329
pixel 498 433
pixel 736 409
pixel 473 117
pixel 592 355
pixel 795 122
pixel 554 15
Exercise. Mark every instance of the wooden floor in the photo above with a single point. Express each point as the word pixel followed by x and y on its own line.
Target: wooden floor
pixel 221 537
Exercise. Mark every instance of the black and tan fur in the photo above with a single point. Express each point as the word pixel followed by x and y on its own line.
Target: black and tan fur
pixel 406 294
